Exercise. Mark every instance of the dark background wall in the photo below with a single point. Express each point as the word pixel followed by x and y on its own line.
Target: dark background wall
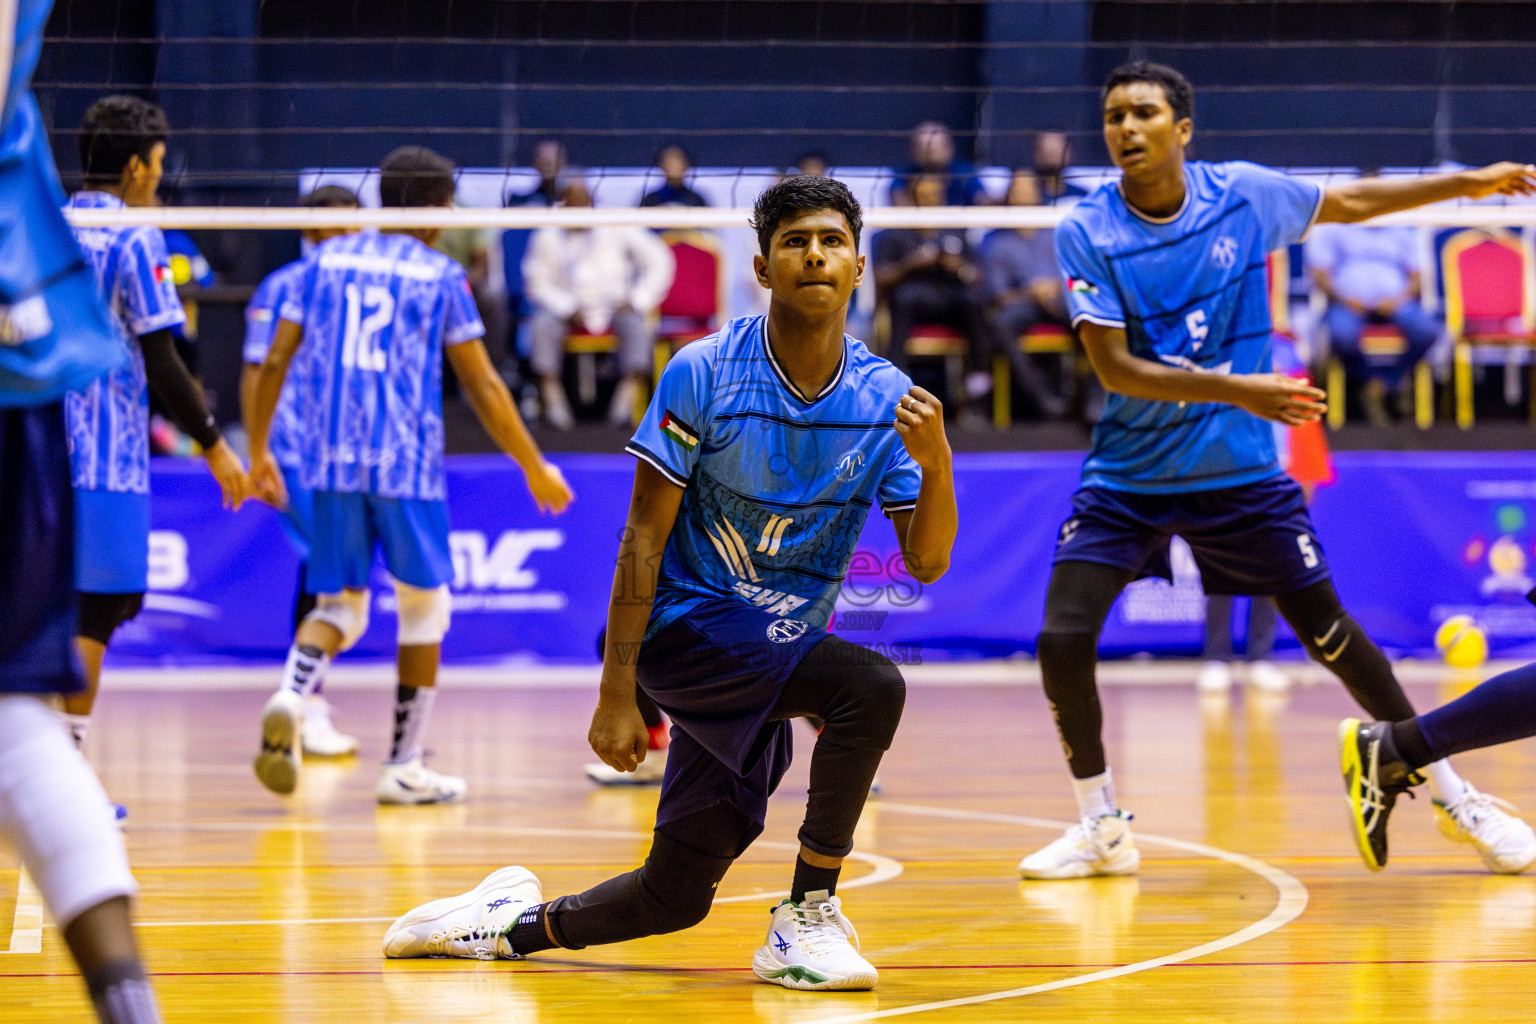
pixel 258 91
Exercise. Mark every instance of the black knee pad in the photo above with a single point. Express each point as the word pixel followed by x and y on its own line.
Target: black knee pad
pixel 680 882
pixel 101 614
pixel 1313 612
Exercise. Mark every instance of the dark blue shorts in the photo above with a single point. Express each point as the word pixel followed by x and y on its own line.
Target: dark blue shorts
pixel 1255 540
pixel 718 672
pixel 37 554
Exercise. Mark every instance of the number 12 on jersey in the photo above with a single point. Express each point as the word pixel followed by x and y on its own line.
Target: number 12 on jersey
pixel 360 344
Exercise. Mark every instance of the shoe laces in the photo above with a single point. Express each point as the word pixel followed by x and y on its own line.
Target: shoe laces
pixel 821 927
pixel 480 942
pixel 1477 809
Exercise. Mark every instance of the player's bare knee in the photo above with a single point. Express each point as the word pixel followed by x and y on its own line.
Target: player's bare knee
pixel 346 612
pixel 423 614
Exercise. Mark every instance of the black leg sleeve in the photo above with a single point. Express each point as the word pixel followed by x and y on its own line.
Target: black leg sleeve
pixel 1076 603
pixel 671 891
pixel 1336 641
pixel 859 695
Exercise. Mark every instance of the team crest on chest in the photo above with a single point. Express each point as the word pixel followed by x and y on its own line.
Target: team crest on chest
pixel 850 465
pixel 1224 252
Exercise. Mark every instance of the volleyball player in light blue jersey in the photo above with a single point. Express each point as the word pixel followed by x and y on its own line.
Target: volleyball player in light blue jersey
pixel 762 454
pixel 319 735
pixel 1165 280
pixel 122 144
pixel 377 313
pixel 55 336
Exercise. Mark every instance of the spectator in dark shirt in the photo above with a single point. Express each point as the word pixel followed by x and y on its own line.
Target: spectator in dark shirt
pixel 813 163
pixel 673 162
pixel 549 159
pixel 1053 155
pixel 1022 287
pixel 933 153
pixel 928 276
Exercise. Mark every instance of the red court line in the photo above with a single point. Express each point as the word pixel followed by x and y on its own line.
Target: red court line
pixel 617 968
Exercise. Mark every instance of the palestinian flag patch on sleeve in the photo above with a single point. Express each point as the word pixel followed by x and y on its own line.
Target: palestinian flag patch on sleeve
pixel 1078 284
pixel 673 426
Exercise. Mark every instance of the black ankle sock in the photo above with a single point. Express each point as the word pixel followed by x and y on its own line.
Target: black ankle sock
pixel 121 994
pixel 1410 743
pixel 531 933
pixel 809 878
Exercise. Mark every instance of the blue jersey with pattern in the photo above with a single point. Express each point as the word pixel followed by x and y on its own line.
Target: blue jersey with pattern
pixel 261 315
pixel 55 334
pixel 776 485
pixel 109 418
pixel 377 311
pixel 1190 292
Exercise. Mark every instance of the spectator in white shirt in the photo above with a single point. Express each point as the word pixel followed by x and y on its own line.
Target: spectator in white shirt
pixel 599 281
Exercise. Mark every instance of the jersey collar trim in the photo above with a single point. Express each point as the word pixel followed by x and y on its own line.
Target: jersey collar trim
pixel 90 199
pixel 1189 193
pixel 789 385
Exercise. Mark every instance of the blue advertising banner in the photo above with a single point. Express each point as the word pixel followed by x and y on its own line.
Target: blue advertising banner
pixel 1412 539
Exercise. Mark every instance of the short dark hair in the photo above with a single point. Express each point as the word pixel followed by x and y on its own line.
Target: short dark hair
pixel 116 129
pixel 415 176
pixel 803 193
pixel 329 196
pixel 1176 88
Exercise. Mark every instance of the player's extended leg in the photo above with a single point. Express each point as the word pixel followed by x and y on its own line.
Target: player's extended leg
pixel 53 810
pixel 405 779
pixel 337 622
pixel 1334 639
pixel 1076 603
pixel 1381 760
pixel 320 735
pixel 100 615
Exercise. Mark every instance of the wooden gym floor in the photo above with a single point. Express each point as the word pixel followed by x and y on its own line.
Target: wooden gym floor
pixel 1251 906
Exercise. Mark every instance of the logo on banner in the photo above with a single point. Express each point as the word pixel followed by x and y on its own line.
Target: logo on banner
pixel 498 577
pixel 1155 601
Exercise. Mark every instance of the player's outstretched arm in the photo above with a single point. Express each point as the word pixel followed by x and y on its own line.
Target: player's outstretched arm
pixel 487 395
pixel 618 734
pixel 1273 396
pixel 927 533
pixel 1371 197
pixel 179 392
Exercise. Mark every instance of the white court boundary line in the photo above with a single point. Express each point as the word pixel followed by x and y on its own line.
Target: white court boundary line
pixel 27 925
pixel 885 868
pixel 1292 901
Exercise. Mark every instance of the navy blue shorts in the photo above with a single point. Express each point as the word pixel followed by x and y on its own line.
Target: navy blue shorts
pixel 37 554
pixel 719 672
pixel 1256 539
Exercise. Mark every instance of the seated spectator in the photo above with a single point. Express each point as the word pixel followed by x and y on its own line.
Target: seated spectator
pixel 928 276
pixel 549 160
pixel 1053 155
pixel 598 281
pixel 673 162
pixel 1371 275
pixel 933 153
pixel 1022 288
pixel 813 163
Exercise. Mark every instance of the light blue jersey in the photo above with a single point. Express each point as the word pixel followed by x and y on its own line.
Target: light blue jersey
pixel 777 484
pixel 1189 291
pixel 261 316
pixel 377 312
pixel 54 331
pixel 109 419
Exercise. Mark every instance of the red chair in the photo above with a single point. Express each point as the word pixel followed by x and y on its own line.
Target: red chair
pixel 1490 309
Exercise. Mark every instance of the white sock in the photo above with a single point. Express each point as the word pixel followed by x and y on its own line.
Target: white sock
pixel 305 669
pixel 1444 784
pixel 413 706
pixel 1095 796
pixel 78 726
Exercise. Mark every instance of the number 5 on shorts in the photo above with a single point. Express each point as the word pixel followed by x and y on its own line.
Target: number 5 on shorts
pixel 1308 552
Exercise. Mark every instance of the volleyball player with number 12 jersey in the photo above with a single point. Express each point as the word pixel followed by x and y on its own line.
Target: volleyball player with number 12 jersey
pixel 377 313
pixel 1165 279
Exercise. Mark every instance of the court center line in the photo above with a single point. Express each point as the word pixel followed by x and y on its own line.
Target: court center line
pixel 27 925
pixel 1292 901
